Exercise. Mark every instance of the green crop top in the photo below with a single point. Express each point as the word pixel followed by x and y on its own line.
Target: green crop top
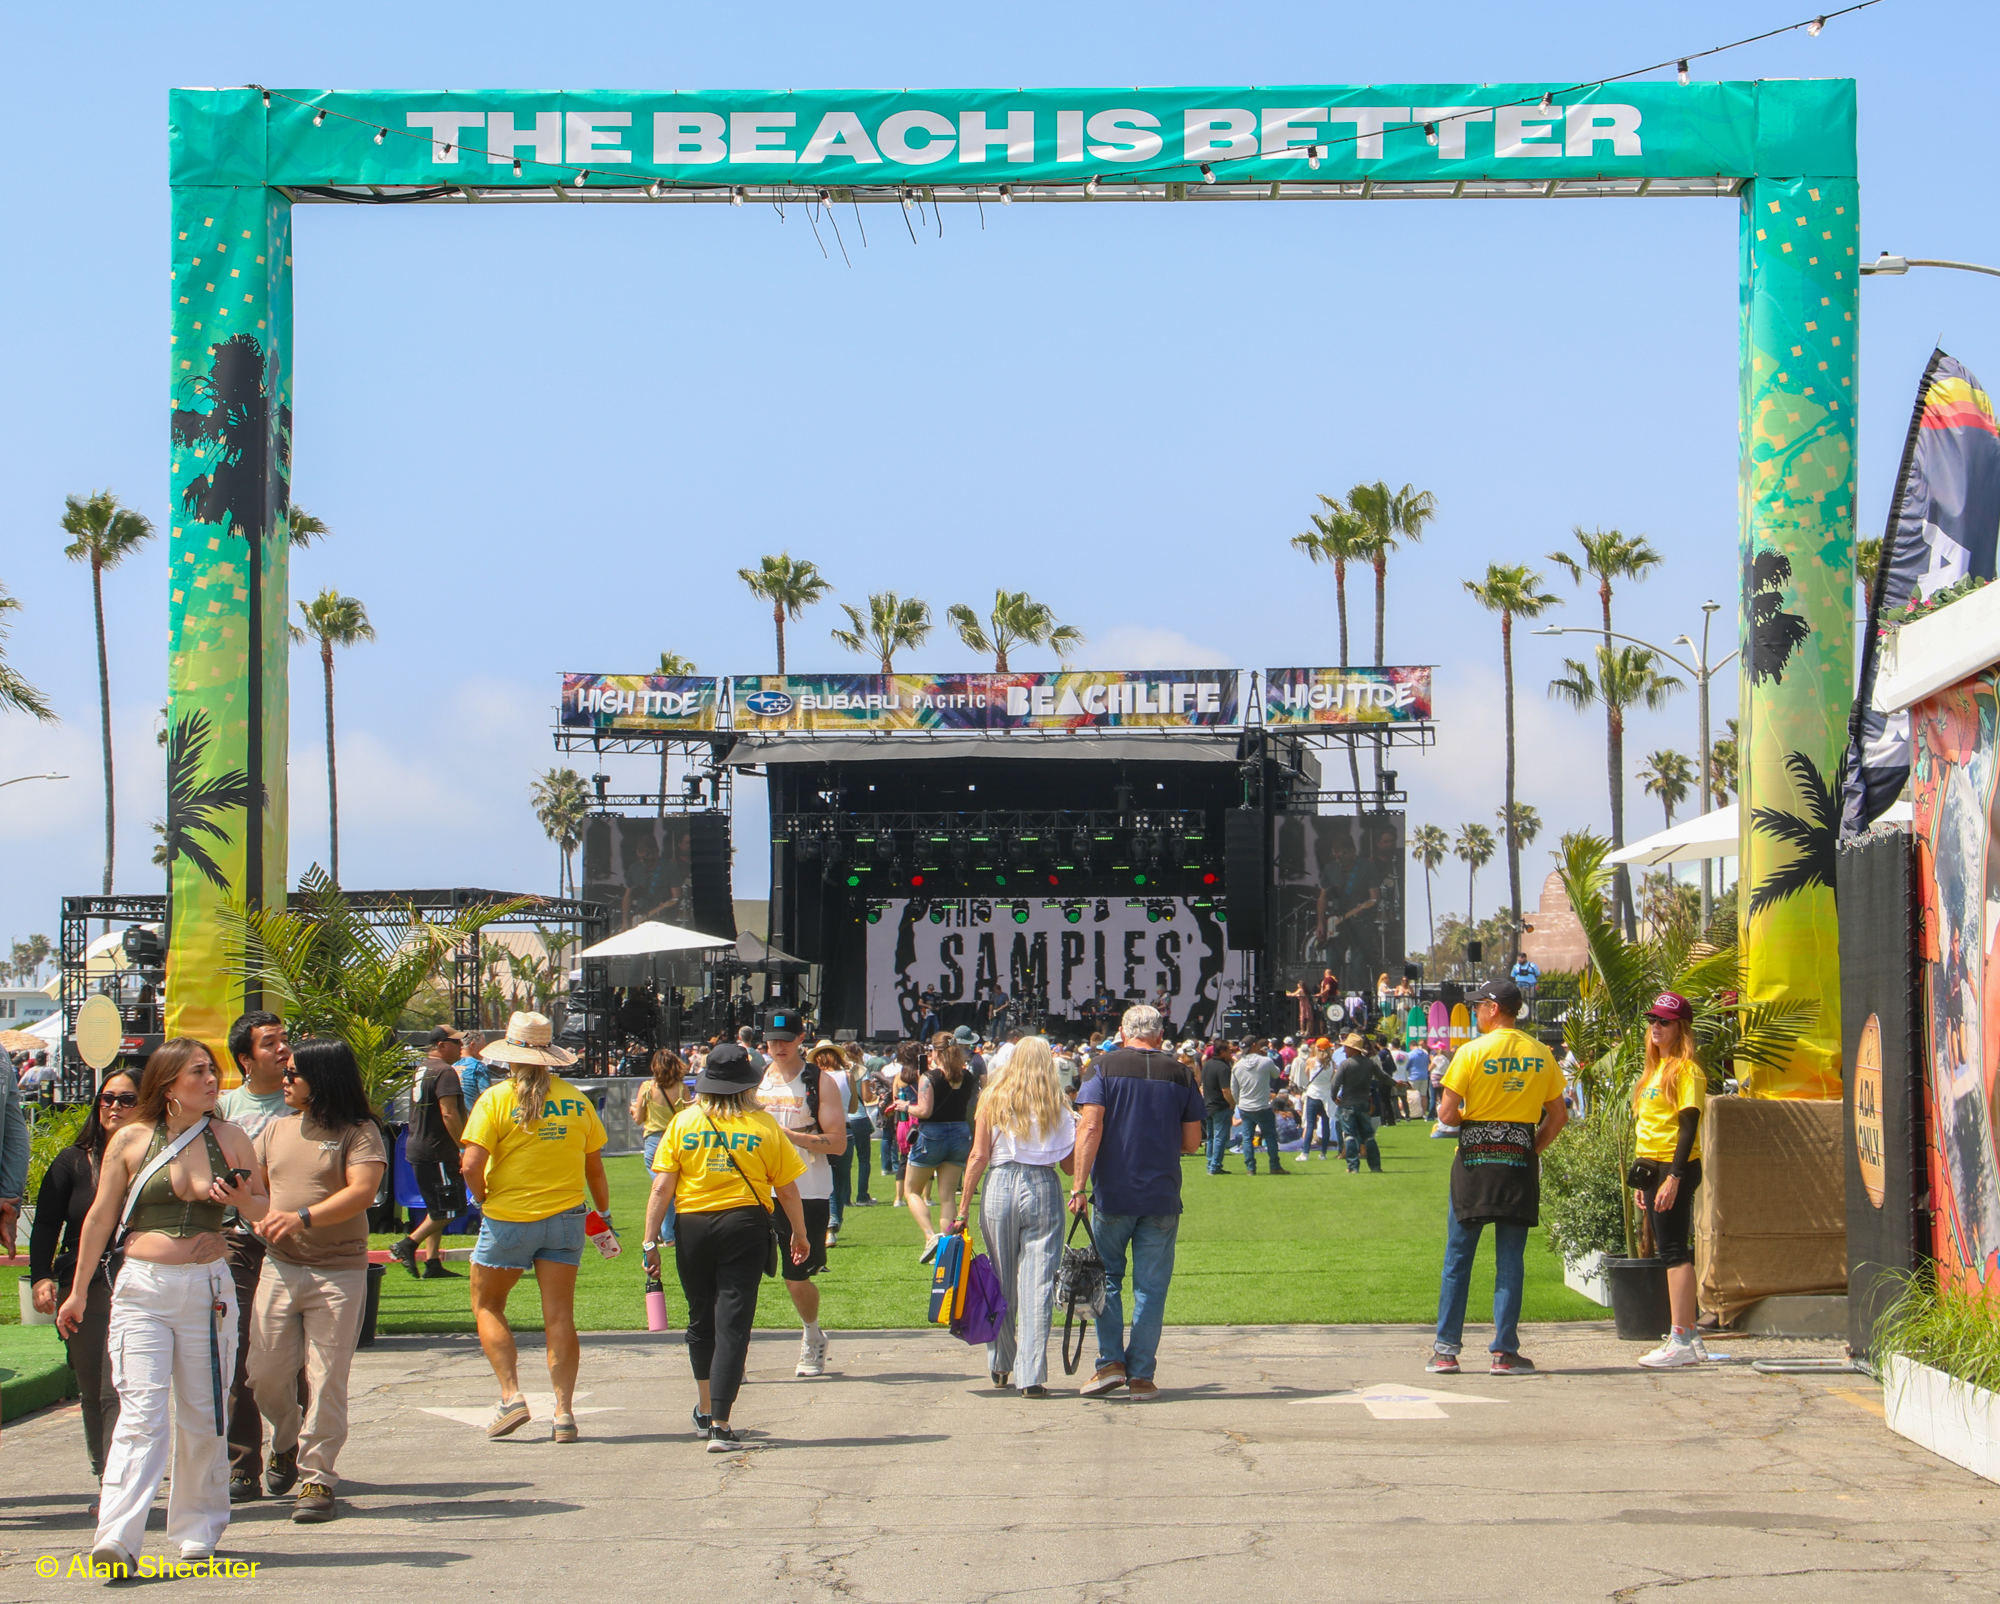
pixel 159 1210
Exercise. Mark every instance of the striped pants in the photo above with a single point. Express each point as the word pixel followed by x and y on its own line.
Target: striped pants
pixel 1021 1217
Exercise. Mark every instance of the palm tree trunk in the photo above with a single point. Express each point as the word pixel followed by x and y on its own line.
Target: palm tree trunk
pixel 1615 750
pixel 1340 602
pixel 104 719
pixel 1381 588
pixel 661 811
pixel 1430 909
pixel 778 616
pixel 1513 841
pixel 332 780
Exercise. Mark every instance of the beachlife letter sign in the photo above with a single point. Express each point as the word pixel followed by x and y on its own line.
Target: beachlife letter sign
pixel 1347 695
pixel 1063 699
pixel 639 701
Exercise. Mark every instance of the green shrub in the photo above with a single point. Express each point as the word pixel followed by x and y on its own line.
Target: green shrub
pixel 50 1130
pixel 1947 1327
pixel 1583 1187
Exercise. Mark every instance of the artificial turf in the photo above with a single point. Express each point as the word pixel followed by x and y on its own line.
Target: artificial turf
pixel 1318 1247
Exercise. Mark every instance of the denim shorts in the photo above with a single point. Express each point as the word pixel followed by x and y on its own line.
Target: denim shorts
pixel 517 1244
pixel 946 1143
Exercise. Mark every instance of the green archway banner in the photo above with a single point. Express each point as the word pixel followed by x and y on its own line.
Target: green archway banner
pixel 241 158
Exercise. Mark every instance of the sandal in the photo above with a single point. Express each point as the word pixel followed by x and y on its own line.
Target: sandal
pixel 565 1429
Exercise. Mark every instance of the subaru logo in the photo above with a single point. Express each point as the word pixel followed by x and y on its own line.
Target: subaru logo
pixel 769 704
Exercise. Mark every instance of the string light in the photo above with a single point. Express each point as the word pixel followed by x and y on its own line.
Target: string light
pixel 582 177
pixel 517 166
pixel 267 100
pixel 736 196
pixel 1312 157
pixel 1006 194
pixel 826 197
pixel 1813 27
pixel 1430 133
pixel 447 153
pixel 1548 102
pixel 379 133
pixel 1207 173
pixel 653 189
pixel 319 118
pixel 1090 185
pixel 1684 72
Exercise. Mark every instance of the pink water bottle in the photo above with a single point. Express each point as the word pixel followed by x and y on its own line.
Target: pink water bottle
pixel 656 1305
pixel 598 1228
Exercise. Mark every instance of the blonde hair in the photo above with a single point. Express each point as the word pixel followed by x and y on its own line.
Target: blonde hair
pixel 735 1104
pixel 1669 1063
pixel 1025 1098
pixel 531 1091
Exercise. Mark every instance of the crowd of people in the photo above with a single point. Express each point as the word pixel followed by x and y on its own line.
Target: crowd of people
pixel 205 1252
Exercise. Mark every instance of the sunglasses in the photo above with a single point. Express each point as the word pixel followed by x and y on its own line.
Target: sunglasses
pixel 292 1075
pixel 118 1099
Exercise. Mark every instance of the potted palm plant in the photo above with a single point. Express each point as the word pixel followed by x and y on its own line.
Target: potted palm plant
pixel 1605 1028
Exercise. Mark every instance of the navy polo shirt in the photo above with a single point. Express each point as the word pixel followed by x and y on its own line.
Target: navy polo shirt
pixel 1147 1096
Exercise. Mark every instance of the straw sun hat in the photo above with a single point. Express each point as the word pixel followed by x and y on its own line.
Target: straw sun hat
pixel 530 1040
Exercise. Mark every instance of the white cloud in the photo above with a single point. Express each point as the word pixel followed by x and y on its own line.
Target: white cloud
pixel 1147 646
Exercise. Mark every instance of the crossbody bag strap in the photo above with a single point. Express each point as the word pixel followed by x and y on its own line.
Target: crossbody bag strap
pixel 166 1157
pixel 738 1168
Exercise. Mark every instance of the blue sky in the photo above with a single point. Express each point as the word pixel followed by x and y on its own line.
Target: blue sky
pixel 547 437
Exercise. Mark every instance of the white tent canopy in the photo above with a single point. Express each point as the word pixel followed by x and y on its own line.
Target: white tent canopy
pixel 1711 835
pixel 756 950
pixel 652 937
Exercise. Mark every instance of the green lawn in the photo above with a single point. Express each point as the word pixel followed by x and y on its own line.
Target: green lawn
pixel 1319 1247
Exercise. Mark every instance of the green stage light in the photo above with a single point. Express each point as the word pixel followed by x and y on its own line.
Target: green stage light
pixel 1020 913
pixel 874 916
pixel 1138 879
pixel 854 879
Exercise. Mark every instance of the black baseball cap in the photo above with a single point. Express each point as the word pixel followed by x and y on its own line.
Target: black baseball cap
pixel 787 1024
pixel 1502 992
pixel 444 1033
pixel 727 1071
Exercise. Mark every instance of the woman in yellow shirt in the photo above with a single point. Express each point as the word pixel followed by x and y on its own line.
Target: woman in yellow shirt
pixel 531 1146
pixel 654 1107
pixel 720 1168
pixel 1666 1108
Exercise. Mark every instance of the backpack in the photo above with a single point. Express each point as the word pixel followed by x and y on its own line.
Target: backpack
pixel 984 1309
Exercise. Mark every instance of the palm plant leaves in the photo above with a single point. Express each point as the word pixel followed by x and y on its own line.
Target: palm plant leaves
pixel 790 584
pixel 562 807
pixel 302 527
pixel 199 807
pixel 1774 633
pixel 1668 775
pixel 332 972
pixel 15 691
pixel 1017 619
pixel 891 623
pixel 674 665
pixel 1816 834
pixel 233 431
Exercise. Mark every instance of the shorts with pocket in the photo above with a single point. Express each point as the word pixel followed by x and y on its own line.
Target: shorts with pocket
pixel 443 1189
pixel 817 1210
pixel 949 1142
pixel 517 1244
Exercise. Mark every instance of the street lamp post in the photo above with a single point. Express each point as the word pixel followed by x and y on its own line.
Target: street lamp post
pixel 1895 266
pixel 1703 669
pixel 17 779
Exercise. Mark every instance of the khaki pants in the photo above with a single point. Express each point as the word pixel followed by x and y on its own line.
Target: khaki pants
pixel 309 1317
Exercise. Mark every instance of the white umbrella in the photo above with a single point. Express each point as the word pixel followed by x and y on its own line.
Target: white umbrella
pixel 1711 835
pixel 652 937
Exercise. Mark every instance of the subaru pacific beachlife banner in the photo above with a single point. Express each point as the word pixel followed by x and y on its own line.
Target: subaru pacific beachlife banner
pixel 1060 699
pixel 1347 695
pixel 639 701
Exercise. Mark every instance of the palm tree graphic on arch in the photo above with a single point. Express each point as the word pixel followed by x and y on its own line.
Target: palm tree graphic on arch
pixel 193 803
pixel 1814 832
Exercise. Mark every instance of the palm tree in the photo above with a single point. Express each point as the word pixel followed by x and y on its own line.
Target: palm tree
pixel 15 691
pixel 1017 619
pixel 1513 591
pixel 1473 848
pixel 301 527
pixel 103 534
pixel 1625 678
pixel 673 666
pixel 892 623
pixel 1722 765
pixel 562 806
pixel 1668 775
pixel 791 585
pixel 1867 560
pixel 333 620
pixel 1428 845
pixel 1338 537
pixel 1608 555
pixel 1388 515
pixel 1527 822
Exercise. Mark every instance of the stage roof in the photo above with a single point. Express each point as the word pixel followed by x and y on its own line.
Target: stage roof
pixel 1164 746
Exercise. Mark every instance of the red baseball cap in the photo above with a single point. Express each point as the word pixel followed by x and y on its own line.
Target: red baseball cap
pixel 1672 1005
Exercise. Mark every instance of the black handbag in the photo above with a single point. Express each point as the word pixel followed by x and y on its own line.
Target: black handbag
pixel 1645 1174
pixel 1079 1288
pixel 773 1254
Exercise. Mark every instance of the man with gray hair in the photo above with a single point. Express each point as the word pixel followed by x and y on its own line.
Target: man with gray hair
pixel 1139 1111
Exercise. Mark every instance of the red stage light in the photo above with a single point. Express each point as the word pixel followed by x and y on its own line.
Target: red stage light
pixel 1209 878
pixel 916 879
pixel 1055 879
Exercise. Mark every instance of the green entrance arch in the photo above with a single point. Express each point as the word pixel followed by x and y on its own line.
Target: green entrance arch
pixel 1783 151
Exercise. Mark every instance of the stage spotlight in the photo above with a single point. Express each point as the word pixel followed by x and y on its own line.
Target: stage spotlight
pixel 1020 913
pixel 1152 913
pixel 1072 912
pixel 1054 879
pixel 917 879
pixel 1139 878
pixel 874 913
pixel 809 848
pixel 918 908
pixel 1176 850
pixel 1103 910
pixel 854 879
pixel 937 913
pixel 961 853
pixel 1209 877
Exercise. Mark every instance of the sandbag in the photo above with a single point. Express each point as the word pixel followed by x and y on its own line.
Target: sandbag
pixel 1771 1215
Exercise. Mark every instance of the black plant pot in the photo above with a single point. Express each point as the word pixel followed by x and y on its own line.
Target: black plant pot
pixel 1639 1303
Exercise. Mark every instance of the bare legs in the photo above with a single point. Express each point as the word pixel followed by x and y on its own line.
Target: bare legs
pixel 557 1283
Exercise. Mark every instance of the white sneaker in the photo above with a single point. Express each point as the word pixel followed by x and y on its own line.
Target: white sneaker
pixel 1674 1354
pixel 812 1357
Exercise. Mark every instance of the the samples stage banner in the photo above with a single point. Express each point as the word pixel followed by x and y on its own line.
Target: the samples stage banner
pixel 1347 695
pixel 638 867
pixel 1062 699
pixel 1165 951
pixel 1340 902
pixel 640 702
pixel 1954 738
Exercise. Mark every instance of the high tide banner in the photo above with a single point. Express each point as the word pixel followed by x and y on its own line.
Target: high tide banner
pixel 640 702
pixel 1347 695
pixel 1126 952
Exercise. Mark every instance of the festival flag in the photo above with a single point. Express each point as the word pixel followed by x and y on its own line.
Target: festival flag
pixel 1942 527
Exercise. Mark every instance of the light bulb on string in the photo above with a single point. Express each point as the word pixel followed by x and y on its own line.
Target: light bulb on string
pixel 826 197
pixel 267 100
pixel 1090 185
pixel 1683 73
pixel 319 117
pixel 517 166
pixel 1312 157
pixel 379 133
pixel 1813 27
pixel 447 152
pixel 582 177
pixel 653 189
pixel 1548 102
pixel 1207 173
pixel 1430 133
pixel 906 200
pixel 1006 194
pixel 736 196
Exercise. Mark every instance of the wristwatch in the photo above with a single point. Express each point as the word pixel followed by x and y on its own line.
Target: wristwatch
pixel 305 1217
pixel 649 1247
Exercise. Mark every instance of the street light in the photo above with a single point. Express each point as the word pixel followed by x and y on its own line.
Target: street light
pixel 17 779
pixel 1703 669
pixel 1896 266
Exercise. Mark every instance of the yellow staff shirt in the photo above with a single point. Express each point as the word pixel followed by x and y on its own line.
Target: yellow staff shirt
pixel 533 1174
pixel 699 1146
pixel 1507 1076
pixel 1657 1120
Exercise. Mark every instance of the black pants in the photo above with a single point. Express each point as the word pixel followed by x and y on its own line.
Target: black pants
pixel 720 1258
pixel 245 1252
pixel 90 1359
pixel 1673 1229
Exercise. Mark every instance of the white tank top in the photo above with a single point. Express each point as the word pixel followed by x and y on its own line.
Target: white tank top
pixel 785 1101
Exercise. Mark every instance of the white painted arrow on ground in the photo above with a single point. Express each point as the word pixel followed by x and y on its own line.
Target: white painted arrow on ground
pixel 541 1407
pixel 1392 1401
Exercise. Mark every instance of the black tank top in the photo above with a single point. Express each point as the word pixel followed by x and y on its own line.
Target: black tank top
pixel 948 1102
